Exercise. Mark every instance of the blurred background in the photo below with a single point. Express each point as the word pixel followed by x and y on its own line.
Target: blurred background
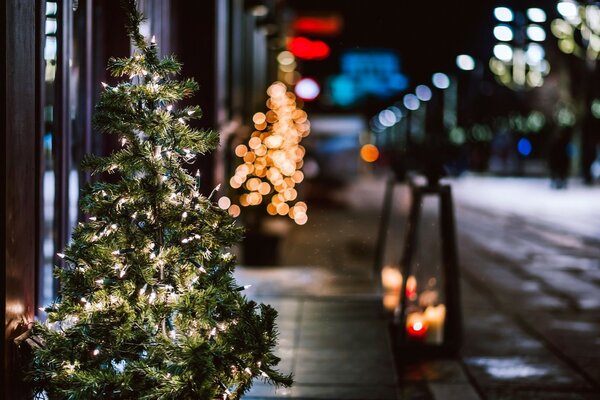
pixel 498 99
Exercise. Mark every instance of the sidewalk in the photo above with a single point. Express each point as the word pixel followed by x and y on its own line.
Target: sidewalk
pixel 530 301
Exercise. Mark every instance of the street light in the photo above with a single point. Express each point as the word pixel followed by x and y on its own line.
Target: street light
pixel 465 62
pixel 518 58
pixel 582 18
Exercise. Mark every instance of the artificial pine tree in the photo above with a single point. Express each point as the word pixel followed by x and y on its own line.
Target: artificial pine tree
pixel 148 307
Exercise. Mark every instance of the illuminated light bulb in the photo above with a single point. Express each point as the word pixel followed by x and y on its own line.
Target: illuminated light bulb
pixel 261 150
pixel 113 226
pixel 285 58
pixel 224 202
pixel 283 209
pixel 440 80
pixel 423 93
pixel 301 205
pixel 261 126
pixel 536 33
pixel 253 184
pixel 169 107
pixel 83 300
pixel 123 141
pixel 61 255
pixel 567 8
pixel 503 52
pixel 271 209
pixel 254 143
pixel 241 150
pixel 92 218
pixel 181 120
pixel 503 33
pixel 301 219
pixel 234 210
pixel 122 273
pixel 298 176
pixel 95 352
pixel 104 85
pixel 190 112
pixel 184 241
pixel 503 14
pixel 116 252
pixel 259 118
pixel 264 188
pixel 248 371
pixel 536 15
pixel 152 297
pixel 234 182
pixel 465 62
pixel 143 289
pixel 184 215
pixel 250 156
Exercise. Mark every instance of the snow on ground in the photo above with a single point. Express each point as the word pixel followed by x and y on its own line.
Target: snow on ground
pixel 575 209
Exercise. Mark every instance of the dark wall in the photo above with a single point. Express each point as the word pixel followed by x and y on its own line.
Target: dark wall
pixel 18 226
pixel 193 43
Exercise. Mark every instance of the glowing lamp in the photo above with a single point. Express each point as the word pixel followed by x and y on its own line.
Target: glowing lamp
pixel 428 319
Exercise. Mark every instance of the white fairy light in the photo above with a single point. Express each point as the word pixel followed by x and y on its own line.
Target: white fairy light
pixel 152 297
pixel 184 215
pixel 93 218
pixel 61 255
pixel 143 289
pixel 96 352
pixel 169 107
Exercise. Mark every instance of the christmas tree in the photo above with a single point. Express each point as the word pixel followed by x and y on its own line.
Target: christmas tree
pixel 148 307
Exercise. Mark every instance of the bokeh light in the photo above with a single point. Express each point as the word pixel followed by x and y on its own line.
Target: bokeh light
pixel 440 80
pixel 273 157
pixel 465 62
pixel 369 153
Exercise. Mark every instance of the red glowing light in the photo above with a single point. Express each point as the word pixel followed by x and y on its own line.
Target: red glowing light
pixel 318 25
pixel 307 49
pixel 416 327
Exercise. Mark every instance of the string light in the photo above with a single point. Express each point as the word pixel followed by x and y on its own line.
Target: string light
pixel 273 156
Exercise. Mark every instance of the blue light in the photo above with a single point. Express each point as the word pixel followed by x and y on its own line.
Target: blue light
pixel 524 147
